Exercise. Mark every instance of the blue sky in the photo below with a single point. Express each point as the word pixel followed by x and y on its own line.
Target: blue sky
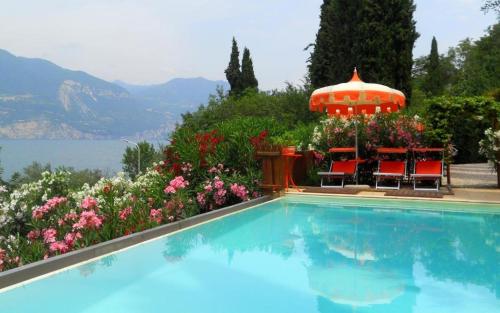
pixel 152 41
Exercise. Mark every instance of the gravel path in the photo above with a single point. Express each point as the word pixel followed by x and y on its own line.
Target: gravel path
pixel 473 175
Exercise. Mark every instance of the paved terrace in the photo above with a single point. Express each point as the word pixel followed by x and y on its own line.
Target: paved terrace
pixel 469 182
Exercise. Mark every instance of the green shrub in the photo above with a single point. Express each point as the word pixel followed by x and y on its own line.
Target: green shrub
pixel 462 122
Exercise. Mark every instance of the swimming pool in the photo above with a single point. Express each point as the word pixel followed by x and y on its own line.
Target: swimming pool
pixel 295 254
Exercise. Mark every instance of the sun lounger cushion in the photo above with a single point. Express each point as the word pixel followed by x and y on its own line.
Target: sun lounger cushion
pixel 428 169
pixel 340 168
pixel 346 167
pixel 391 168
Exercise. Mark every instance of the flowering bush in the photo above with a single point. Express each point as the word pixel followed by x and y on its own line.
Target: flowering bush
pixel 223 187
pixel 392 130
pixel 489 146
pixel 379 130
pixel 334 132
pixel 46 218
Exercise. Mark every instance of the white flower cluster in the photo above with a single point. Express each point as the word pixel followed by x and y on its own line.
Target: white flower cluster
pixel 488 146
pixel 17 207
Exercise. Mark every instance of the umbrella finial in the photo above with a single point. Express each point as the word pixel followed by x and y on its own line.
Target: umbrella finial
pixel 355 77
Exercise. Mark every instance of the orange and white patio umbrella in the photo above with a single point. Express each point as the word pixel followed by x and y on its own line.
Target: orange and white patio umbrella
pixel 356 97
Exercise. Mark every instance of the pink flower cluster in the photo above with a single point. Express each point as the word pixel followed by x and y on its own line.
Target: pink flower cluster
pixel 65 245
pixel 39 212
pixel 155 215
pixel 89 203
pixel 200 197
pixel 2 258
pixel 58 246
pixel 239 191
pixel 88 220
pixel 176 184
pixel 217 169
pixel 49 235
pixel 33 235
pixel 71 238
pixel 123 214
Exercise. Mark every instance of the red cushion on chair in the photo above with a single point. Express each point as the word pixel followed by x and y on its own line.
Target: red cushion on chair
pixel 392 167
pixel 428 167
pixel 346 167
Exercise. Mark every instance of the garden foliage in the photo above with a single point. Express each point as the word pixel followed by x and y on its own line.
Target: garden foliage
pixel 462 122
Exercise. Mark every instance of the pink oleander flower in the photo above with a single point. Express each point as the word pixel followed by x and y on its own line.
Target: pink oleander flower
pixel 89 203
pixel 219 196
pixel 70 217
pixel 240 191
pixel 213 170
pixel 123 214
pixel 2 257
pixel 50 205
pixel 49 235
pixel 200 197
pixel 71 238
pixel 88 220
pixel 33 235
pixel 59 246
pixel 218 184
pixel 255 194
pixel 155 215
pixel 208 188
pixel 169 189
pixel 60 222
pixel 176 184
pixel 171 218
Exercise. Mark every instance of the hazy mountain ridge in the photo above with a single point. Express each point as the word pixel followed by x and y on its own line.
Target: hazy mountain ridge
pixel 179 94
pixel 39 99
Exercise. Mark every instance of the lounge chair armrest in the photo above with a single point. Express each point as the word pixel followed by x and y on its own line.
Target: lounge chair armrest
pixel 388 174
pixel 426 175
pixel 332 173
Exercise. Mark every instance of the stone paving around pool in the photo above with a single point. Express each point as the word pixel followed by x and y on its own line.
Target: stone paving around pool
pixel 469 182
pixel 480 175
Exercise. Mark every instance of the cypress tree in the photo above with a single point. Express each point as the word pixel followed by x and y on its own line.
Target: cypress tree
pixel 377 36
pixel 233 72
pixel 248 79
pixel 433 81
pixel 333 58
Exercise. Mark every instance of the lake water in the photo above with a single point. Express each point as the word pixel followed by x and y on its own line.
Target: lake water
pixel 105 155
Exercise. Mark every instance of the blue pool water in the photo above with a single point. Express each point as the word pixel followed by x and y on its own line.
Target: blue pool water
pixel 297 254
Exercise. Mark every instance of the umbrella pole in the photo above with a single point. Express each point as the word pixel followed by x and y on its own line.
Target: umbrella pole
pixel 356 143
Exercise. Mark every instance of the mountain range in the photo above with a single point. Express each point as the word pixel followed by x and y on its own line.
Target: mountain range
pixel 39 99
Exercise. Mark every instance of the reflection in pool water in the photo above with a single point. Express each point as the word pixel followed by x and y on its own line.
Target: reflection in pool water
pixel 288 256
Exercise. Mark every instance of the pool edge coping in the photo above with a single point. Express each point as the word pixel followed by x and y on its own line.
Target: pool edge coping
pixel 409 199
pixel 28 273
pixel 465 201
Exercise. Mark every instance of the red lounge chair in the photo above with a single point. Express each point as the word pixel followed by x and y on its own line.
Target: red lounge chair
pixel 428 170
pixel 339 170
pixel 390 170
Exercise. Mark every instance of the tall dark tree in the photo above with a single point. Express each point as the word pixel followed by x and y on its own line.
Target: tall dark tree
pixel 376 36
pixel 433 83
pixel 233 71
pixel 333 59
pixel 248 79
pixel 493 5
